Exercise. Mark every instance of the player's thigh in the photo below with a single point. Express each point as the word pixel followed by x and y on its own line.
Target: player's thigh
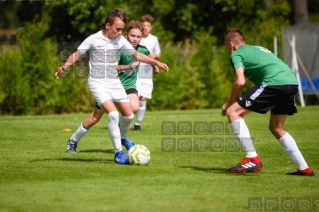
pixel 134 102
pixel 133 97
pixel 108 106
pixel 125 108
pixel 236 111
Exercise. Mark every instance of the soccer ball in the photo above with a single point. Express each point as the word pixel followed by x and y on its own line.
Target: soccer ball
pixel 139 155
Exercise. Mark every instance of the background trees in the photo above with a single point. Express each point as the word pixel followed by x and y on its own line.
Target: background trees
pixel 190 32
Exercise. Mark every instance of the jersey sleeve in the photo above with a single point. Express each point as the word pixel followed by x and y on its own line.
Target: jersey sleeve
pixel 127 48
pixel 237 61
pixel 85 45
pixel 157 49
pixel 143 50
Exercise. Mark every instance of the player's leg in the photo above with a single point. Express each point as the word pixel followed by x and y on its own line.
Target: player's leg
pixel 134 101
pixel 145 92
pixel 89 122
pixel 114 131
pixel 126 118
pixel 104 96
pixel 276 127
pixel 251 162
pixel 140 113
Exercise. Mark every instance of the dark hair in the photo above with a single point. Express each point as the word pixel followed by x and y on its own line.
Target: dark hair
pixel 147 18
pixel 235 35
pixel 114 14
pixel 135 25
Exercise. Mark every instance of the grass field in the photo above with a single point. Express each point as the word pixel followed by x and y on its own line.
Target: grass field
pixel 37 175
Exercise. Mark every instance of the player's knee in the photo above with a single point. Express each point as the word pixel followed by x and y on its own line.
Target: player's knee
pixel 135 108
pixel 231 115
pixel 275 130
pixel 129 118
pixel 113 116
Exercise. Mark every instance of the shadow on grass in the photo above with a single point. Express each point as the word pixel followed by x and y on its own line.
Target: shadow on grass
pixel 213 170
pixel 107 151
pixel 75 160
pixel 218 170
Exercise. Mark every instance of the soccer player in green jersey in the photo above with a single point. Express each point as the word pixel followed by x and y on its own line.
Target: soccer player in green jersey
pixel 127 69
pixel 275 89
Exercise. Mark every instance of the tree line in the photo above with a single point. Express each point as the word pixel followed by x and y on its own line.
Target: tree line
pixel 190 33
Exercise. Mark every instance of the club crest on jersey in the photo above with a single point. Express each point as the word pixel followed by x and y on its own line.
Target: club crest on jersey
pixel 116 46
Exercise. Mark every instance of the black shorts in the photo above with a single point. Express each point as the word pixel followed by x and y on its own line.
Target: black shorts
pixel 128 91
pixel 131 91
pixel 280 99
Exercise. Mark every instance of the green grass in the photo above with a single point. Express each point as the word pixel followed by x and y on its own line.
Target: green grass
pixel 37 175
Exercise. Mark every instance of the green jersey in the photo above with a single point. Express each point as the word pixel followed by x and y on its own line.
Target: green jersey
pixel 262 67
pixel 128 78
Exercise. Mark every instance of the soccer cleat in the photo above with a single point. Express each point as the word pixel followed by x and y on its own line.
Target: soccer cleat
pixel 120 158
pixel 127 143
pixel 247 165
pixel 71 148
pixel 137 127
pixel 306 172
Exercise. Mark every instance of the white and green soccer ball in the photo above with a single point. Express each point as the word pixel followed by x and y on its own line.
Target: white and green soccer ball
pixel 139 155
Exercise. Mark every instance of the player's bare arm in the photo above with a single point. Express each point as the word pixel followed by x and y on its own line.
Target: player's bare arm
pixel 237 86
pixel 127 67
pixel 72 59
pixel 146 59
pixel 155 56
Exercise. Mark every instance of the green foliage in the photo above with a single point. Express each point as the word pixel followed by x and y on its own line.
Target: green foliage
pixel 73 20
pixel 27 83
pixel 8 18
pixel 199 76
pixel 190 33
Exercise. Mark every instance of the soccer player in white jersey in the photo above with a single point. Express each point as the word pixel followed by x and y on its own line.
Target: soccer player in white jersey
pixel 104 84
pixel 144 82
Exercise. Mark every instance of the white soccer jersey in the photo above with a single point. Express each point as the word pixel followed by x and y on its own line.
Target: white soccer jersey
pixel 145 72
pixel 103 81
pixel 104 55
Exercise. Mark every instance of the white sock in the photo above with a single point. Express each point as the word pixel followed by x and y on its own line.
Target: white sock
pixel 79 133
pixel 140 113
pixel 114 131
pixel 125 124
pixel 289 145
pixel 242 134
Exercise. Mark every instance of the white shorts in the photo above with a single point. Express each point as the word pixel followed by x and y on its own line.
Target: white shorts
pixel 103 91
pixel 145 88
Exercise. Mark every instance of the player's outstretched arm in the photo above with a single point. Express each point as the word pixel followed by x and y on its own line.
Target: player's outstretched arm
pixel 72 59
pixel 146 59
pixel 127 67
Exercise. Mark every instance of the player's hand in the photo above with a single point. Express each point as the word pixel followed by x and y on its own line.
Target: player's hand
pixel 134 64
pixel 60 71
pixel 163 66
pixel 155 69
pixel 224 109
